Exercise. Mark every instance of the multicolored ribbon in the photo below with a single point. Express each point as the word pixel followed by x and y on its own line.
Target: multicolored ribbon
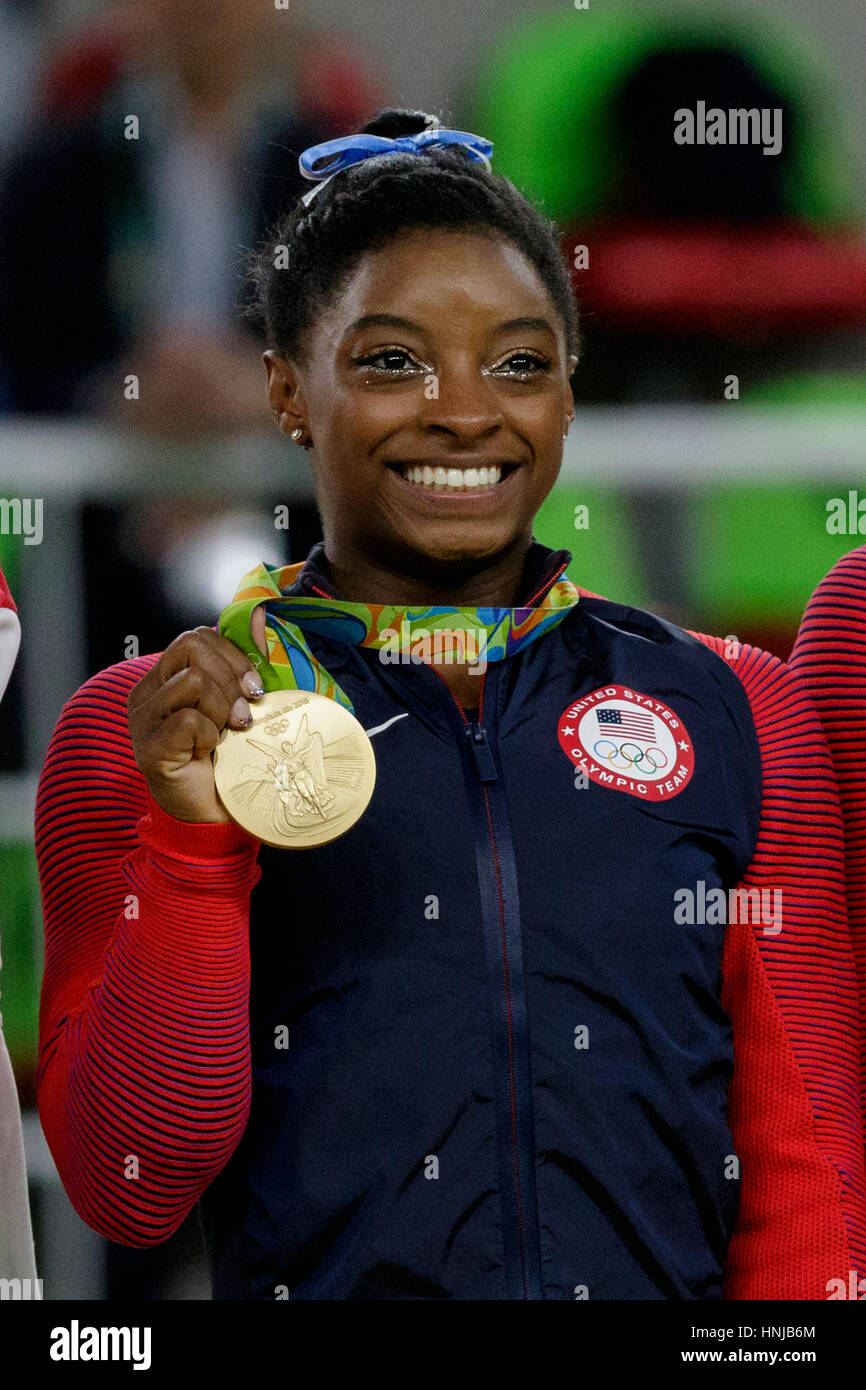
pixel 470 635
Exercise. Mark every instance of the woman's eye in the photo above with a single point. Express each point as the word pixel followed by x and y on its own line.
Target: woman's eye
pixel 389 360
pixel 523 364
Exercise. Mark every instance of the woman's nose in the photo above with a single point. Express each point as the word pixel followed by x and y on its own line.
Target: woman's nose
pixel 463 403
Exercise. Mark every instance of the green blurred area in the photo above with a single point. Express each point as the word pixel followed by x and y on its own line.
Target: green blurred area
pixel 604 557
pixel 754 551
pixel 760 551
pixel 564 77
pixel 21 941
pixel 10 550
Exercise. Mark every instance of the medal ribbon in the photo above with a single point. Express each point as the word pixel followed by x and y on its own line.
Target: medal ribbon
pixel 460 634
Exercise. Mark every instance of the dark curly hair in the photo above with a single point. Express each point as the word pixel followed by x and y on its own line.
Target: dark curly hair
pixel 370 203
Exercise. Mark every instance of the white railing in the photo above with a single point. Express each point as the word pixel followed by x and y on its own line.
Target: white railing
pixel 634 444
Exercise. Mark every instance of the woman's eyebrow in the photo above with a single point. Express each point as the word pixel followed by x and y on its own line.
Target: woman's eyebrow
pixel 394 321
pixel 382 321
pixel 511 325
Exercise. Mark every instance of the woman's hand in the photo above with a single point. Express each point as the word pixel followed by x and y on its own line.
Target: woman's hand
pixel 177 711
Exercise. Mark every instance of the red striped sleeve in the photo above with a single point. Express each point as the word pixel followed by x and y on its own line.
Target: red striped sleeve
pixel 829 657
pixel 792 999
pixel 144 1065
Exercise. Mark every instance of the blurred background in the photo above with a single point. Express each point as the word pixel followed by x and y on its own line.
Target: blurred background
pixel 721 399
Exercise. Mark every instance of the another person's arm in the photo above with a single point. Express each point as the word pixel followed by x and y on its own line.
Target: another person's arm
pixel 792 997
pixel 829 657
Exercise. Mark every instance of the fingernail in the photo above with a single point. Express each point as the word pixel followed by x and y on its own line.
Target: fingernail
pixel 240 714
pixel 252 685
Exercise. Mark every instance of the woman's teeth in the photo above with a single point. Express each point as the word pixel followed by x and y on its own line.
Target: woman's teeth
pixel 453 478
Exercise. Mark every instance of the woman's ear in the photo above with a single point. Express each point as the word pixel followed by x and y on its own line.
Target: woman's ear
pixel 284 392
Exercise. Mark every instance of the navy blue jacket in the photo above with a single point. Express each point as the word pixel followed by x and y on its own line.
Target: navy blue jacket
pixel 508 1063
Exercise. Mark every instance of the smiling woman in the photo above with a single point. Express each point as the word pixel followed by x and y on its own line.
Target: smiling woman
pixel 424 332
pixel 436 429
pixel 464 1044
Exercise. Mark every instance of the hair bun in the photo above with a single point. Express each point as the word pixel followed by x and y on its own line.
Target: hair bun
pixel 392 123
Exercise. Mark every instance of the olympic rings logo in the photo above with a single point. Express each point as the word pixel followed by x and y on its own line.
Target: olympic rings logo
pixel 644 761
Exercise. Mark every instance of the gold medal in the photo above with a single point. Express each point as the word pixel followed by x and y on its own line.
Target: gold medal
pixel 300 775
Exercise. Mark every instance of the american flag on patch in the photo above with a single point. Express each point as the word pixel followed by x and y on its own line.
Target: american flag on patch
pixel 631 723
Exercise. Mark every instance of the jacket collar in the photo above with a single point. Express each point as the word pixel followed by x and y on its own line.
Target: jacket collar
pixel 542 568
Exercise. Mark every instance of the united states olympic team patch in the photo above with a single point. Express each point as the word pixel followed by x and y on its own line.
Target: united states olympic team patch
pixel 628 741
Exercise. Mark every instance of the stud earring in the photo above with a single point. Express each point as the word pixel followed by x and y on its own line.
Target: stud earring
pixel 297 434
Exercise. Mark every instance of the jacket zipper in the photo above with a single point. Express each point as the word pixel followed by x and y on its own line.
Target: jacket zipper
pixel 503 946
pixel 501 926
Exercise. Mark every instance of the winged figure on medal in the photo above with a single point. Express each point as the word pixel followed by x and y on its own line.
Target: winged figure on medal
pixel 302 782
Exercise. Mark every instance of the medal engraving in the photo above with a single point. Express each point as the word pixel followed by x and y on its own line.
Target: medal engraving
pixel 300 775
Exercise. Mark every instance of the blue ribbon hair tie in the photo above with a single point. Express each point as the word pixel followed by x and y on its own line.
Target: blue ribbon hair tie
pixel 336 155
